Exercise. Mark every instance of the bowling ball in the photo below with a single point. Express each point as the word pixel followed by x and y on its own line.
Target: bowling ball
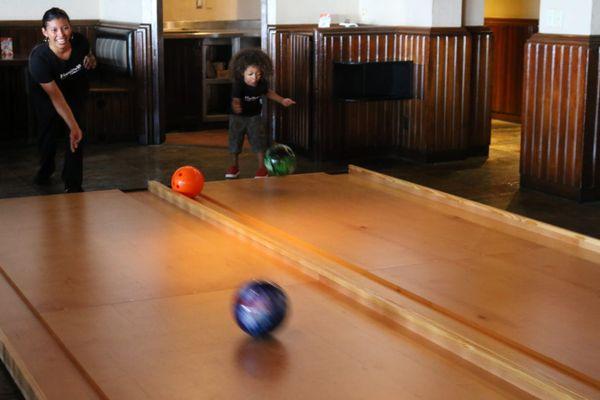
pixel 188 181
pixel 259 307
pixel 280 160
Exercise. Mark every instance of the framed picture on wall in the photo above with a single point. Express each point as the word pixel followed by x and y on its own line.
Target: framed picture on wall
pixel 199 3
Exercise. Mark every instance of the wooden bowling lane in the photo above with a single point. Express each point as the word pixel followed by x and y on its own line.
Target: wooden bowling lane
pixel 528 289
pixel 37 363
pixel 137 294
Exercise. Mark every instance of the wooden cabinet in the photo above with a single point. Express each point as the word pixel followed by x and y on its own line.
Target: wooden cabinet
pixel 216 84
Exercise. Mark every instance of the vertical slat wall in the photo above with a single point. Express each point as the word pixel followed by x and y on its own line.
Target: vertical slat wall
pixel 291 51
pixel 432 126
pixel 559 144
pixel 100 109
pixel 510 35
pixel 450 66
pixel 353 129
pixel 481 90
pixel 143 83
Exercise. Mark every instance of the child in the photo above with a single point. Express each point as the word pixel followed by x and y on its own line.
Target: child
pixel 250 68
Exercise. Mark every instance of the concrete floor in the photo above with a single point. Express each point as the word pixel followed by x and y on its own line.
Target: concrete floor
pixel 493 180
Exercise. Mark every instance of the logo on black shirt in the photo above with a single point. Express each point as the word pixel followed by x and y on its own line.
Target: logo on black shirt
pixel 72 71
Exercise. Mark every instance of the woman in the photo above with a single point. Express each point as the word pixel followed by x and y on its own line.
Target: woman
pixel 58 69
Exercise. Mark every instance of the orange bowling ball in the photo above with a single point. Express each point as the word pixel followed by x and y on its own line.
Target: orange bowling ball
pixel 188 181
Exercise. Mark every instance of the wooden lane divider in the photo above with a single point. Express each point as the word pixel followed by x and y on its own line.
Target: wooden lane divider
pixel 496 215
pixel 18 370
pixel 499 359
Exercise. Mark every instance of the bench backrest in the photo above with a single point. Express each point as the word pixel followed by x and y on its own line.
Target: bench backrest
pixel 114 49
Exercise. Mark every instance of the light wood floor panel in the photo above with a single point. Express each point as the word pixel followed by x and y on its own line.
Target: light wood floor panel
pixel 140 296
pixel 532 295
pixel 47 367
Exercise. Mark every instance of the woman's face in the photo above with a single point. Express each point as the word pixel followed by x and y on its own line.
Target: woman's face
pixel 58 31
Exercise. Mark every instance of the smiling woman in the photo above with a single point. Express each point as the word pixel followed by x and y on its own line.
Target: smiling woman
pixel 58 69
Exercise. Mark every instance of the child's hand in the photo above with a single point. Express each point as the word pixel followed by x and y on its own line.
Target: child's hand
pixel 236 106
pixel 287 102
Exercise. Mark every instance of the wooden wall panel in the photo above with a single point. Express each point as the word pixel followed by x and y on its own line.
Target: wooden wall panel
pixel 559 144
pixel 183 84
pixel 109 117
pixel 354 129
pixel 14 111
pixel 480 126
pixel 431 126
pixel 291 52
pixel 143 83
pixel 510 36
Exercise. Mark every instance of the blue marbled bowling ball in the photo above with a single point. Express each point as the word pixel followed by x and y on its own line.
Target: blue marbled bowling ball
pixel 259 307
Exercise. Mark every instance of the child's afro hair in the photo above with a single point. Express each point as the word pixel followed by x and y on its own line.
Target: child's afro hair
pixel 247 57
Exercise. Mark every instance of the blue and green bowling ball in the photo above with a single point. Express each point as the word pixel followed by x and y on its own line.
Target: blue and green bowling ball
pixel 259 307
pixel 280 160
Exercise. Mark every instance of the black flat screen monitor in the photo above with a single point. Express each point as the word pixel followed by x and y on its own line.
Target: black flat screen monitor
pixel 390 80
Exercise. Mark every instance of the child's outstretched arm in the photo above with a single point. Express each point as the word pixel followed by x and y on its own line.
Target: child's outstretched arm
pixel 272 95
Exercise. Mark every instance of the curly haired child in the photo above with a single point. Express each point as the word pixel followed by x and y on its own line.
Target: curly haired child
pixel 250 70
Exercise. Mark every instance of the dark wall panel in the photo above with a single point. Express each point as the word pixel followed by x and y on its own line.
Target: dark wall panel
pixel 510 36
pixel 559 145
pixel 292 59
pixel 481 90
pixel 432 126
pixel 183 84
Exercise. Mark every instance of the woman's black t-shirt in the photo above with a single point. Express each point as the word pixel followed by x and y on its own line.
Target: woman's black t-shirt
pixel 70 76
pixel 250 96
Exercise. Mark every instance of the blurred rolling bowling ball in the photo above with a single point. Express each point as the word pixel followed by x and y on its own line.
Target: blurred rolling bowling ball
pixel 259 307
pixel 280 160
pixel 188 181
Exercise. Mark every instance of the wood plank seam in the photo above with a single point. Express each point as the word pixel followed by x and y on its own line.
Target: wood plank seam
pixel 54 336
pixel 347 282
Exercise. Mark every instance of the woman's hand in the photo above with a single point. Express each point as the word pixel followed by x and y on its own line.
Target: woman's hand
pixel 89 61
pixel 75 137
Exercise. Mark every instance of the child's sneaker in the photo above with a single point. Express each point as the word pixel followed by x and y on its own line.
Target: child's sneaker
pixel 261 173
pixel 232 172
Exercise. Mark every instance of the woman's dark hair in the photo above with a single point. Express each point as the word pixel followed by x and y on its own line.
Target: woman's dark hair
pixel 247 57
pixel 54 13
